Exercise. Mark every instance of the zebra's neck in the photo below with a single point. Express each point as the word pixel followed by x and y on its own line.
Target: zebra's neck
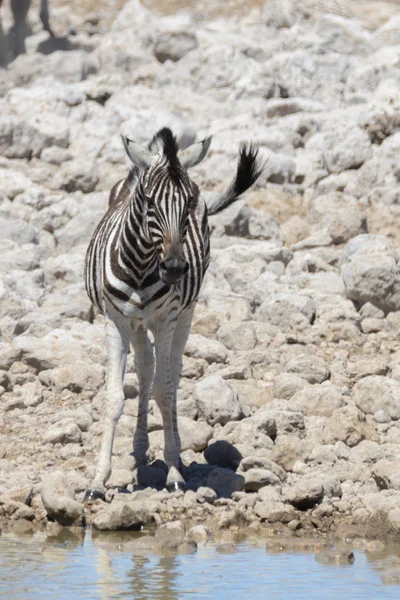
pixel 136 254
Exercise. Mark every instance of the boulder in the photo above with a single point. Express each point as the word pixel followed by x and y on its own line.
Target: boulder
pixel 375 393
pixel 306 493
pixel 222 454
pixel 59 502
pixel 225 482
pixel 123 516
pixel 217 402
pixel 370 272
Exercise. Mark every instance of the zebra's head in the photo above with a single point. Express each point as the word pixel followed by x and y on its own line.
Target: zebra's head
pixel 169 196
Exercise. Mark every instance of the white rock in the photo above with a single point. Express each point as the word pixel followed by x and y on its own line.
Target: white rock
pixel 216 400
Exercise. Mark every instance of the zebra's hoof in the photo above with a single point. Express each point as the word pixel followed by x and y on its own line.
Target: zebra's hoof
pixel 93 495
pixel 174 486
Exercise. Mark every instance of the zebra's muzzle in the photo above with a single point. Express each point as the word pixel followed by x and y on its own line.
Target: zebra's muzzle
pixel 173 269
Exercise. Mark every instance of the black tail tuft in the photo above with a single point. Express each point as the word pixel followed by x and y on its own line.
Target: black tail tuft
pixel 248 171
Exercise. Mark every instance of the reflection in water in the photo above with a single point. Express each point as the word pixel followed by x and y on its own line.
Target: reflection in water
pixel 119 566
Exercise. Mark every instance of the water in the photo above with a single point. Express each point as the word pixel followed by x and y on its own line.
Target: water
pixel 83 568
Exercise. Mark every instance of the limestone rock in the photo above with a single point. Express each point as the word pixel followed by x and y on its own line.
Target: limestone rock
pixel 216 400
pixel 376 393
pixel 122 516
pixel 59 502
pixel 306 493
pixel 258 478
pixel 370 273
pixel 200 534
pixel 63 432
pixel 194 434
pixel 210 350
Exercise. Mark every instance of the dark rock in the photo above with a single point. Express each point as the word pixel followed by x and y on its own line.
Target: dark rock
pixel 224 482
pixel 223 454
pixel 149 476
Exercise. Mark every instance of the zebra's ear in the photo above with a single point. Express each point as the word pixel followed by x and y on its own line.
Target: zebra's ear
pixel 138 155
pixel 193 155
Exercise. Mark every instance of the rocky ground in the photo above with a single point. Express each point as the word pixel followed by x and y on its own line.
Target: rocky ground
pixel 289 404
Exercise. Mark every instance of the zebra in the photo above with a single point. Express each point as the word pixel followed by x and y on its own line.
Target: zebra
pixel 143 270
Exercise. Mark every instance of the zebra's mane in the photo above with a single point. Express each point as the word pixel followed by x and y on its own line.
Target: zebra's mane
pixel 165 142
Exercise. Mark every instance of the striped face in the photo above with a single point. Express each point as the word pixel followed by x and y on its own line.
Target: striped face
pixel 169 196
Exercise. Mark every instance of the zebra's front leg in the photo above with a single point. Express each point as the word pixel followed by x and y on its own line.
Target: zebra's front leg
pixel 181 334
pixel 144 363
pixel 117 340
pixel 164 392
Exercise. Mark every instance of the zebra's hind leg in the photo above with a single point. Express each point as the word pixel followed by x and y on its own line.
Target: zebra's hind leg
pixel 165 396
pixel 118 335
pixel 144 363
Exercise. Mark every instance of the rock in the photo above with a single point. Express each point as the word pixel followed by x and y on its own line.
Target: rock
pixel 366 451
pixel 274 512
pixel 76 377
pixel 59 502
pixel 375 393
pixel 287 450
pixel 63 432
pixel 17 230
pixel 216 401
pixel 223 454
pixel 81 416
pixel 20 138
pixel 122 516
pixel 312 368
pixel 76 176
pixel 238 336
pixel 22 495
pixel 241 220
pixel 200 534
pixel 149 476
pixel 174 46
pixel 174 530
pixel 287 384
pixel 258 478
pixel 210 350
pixel 335 557
pixel 343 146
pixel 320 400
pixel 348 425
pixel 262 463
pixel 224 482
pixel 194 434
pixel 370 272
pixel 119 478
pixel 206 495
pixel 386 474
pixel 287 310
pixel 306 493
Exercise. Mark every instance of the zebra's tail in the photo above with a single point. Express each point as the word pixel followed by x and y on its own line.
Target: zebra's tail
pixel 248 171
